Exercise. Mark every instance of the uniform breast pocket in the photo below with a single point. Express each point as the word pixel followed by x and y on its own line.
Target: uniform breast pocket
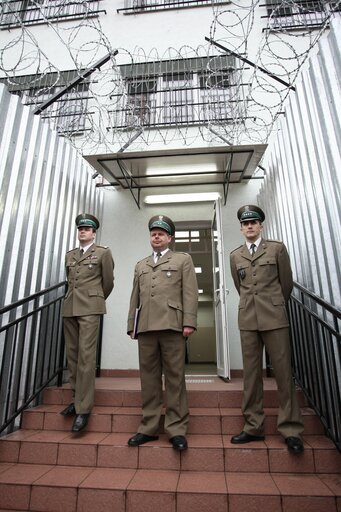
pixel 170 274
pixel 89 266
pixel 142 275
pixel 268 265
pixel 70 269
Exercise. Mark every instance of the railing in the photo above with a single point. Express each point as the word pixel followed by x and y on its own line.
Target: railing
pixel 31 352
pixel 316 341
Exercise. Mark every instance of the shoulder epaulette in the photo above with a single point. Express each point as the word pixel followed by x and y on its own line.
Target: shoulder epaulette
pixel 236 249
pixel 144 259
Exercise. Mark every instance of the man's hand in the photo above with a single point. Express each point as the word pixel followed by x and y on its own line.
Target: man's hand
pixel 187 331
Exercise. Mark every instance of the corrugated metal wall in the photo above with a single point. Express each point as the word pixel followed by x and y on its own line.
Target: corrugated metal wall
pixel 301 193
pixel 44 184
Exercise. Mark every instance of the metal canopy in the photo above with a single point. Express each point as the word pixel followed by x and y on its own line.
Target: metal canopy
pixel 193 167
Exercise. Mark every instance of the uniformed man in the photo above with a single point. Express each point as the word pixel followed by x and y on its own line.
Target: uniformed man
pixel 162 314
pixel 262 275
pixel 89 271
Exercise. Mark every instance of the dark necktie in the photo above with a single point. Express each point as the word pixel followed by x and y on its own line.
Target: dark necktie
pixel 253 249
pixel 158 256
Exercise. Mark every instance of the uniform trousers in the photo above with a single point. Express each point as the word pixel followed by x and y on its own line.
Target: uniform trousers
pixel 163 352
pixel 277 344
pixel 81 334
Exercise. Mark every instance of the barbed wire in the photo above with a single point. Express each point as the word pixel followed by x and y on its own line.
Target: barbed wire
pixel 186 95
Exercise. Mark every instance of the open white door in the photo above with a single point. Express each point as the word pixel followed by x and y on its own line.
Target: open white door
pixel 220 292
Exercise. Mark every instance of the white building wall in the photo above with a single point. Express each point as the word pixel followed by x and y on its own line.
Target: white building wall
pixel 164 34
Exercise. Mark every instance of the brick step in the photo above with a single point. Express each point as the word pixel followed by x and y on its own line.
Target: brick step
pixel 203 420
pixel 228 396
pixel 46 468
pixel 205 453
pixel 49 488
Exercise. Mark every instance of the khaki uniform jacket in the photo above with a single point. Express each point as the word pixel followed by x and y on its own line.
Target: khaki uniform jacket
pixel 166 291
pixel 264 283
pixel 90 281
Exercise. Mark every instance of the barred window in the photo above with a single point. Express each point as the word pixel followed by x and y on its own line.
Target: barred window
pixel 14 13
pixel 141 101
pixel 299 13
pixel 144 6
pixel 178 97
pixel 67 114
pixel 179 92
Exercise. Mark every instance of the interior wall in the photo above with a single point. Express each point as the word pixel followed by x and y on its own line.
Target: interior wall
pixel 125 231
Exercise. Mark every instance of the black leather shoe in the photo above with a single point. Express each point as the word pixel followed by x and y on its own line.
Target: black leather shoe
pixel 138 439
pixel 179 443
pixel 295 444
pixel 69 410
pixel 80 422
pixel 244 437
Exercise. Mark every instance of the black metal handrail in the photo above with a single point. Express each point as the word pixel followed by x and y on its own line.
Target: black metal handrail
pixel 316 346
pixel 31 352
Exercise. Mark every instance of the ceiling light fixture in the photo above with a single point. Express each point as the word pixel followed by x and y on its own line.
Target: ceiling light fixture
pixel 194 168
pixel 182 198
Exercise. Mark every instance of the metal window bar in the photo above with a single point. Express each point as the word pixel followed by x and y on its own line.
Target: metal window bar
pixel 142 6
pixel 179 92
pixel 311 13
pixel 13 13
pixel 316 346
pixel 151 116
